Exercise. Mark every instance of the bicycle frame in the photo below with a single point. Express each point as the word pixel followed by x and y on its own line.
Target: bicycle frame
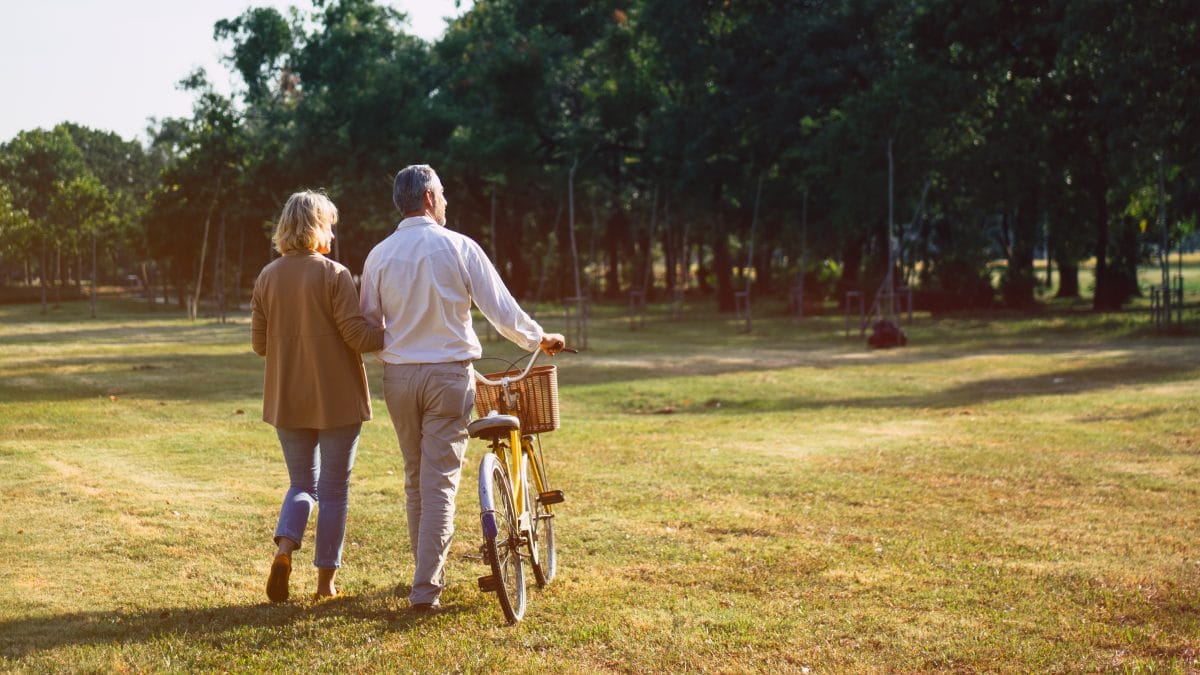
pixel 518 443
pixel 510 454
pixel 515 498
pixel 515 469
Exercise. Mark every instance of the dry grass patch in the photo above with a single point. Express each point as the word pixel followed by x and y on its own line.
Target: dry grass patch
pixel 1018 494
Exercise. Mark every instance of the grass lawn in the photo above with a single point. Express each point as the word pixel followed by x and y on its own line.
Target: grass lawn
pixel 1007 493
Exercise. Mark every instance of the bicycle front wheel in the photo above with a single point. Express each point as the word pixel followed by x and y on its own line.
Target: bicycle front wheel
pixel 501 537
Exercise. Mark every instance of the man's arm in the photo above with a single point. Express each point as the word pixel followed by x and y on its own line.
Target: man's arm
pixel 368 297
pixel 497 304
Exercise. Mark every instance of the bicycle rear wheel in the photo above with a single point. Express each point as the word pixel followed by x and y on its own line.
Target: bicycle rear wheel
pixel 501 537
pixel 542 552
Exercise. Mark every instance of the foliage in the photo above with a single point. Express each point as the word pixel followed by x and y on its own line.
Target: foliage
pixel 70 184
pixel 16 229
pixel 1028 128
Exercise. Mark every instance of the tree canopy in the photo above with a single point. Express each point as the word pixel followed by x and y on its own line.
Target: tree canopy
pixel 1017 129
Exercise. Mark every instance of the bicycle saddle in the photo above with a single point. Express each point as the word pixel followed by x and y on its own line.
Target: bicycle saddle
pixel 493 426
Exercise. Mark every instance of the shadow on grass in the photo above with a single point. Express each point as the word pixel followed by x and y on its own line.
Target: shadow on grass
pixel 173 376
pixel 215 377
pixel 1053 383
pixel 22 637
pixel 1158 360
pixel 692 345
pixel 132 334
pixel 992 390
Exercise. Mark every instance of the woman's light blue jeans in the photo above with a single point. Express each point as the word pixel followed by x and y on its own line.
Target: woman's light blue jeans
pixel 319 462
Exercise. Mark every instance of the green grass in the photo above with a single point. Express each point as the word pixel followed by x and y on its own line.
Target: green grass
pixel 1149 274
pixel 1008 493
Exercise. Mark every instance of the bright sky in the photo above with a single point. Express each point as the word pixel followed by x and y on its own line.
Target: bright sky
pixel 111 64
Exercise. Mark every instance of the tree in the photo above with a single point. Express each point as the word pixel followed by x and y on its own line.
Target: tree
pixel 127 173
pixel 85 210
pixel 1021 118
pixel 35 166
pixel 16 233
pixel 207 161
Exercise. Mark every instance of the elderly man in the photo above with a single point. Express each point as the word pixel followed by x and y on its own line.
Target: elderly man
pixel 419 283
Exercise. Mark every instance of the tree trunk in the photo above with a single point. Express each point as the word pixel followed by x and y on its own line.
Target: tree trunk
pixel 194 309
pixel 58 274
pixel 1123 262
pixel 219 270
pixel 563 286
pixel 571 225
pixel 926 257
pixel 1104 296
pixel 643 257
pixel 750 253
pixel 147 285
pixel 1019 281
pixel 42 264
pixel 723 270
pixel 648 249
pixel 492 231
pixel 1049 264
pixel 182 290
pixel 512 251
pixel 764 283
pixel 164 279
pixel 617 231
pixel 670 256
pixel 852 254
pixel 701 271
pixel 1068 279
pixel 93 293
pixel 237 274
pixel 593 283
pixel 554 263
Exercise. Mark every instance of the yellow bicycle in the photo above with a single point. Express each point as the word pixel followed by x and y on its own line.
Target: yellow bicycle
pixel 515 498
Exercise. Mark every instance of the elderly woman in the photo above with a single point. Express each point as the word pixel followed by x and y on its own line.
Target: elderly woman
pixel 306 321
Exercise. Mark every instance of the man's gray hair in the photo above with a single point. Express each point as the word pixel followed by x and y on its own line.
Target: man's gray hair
pixel 408 192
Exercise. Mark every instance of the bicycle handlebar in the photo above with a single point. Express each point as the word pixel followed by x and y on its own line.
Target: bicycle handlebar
pixel 524 373
pixel 506 380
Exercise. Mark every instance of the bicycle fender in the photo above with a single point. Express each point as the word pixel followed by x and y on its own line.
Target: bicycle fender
pixel 487 501
pixel 487 519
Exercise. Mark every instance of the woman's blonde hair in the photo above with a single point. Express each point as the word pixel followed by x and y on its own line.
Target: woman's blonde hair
pixel 306 223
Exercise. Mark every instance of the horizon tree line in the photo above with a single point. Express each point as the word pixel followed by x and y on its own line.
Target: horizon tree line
pixel 636 140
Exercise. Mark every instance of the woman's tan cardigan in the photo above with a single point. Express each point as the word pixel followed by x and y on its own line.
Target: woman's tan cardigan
pixel 306 320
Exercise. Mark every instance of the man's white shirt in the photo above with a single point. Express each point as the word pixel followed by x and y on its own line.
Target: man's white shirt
pixel 419 284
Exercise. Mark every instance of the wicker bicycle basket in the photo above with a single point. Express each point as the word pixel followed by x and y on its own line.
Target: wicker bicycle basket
pixel 537 398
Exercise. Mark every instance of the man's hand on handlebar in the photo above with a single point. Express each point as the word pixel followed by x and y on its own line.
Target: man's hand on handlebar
pixel 553 343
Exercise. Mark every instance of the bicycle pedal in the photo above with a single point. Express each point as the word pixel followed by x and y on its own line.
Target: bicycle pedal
pixel 551 497
pixel 489 584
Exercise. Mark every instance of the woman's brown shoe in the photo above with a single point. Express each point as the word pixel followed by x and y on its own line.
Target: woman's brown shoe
pixel 277 582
